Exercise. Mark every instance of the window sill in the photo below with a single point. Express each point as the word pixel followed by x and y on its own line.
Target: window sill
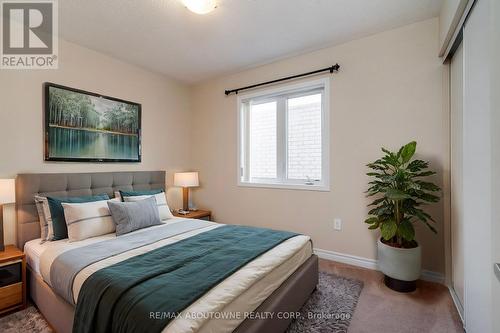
pixel 300 187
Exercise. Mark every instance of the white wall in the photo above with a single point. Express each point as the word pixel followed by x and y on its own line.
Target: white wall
pixel 165 116
pixel 389 91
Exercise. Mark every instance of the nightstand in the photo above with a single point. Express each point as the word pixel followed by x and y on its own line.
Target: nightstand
pixel 196 214
pixel 12 279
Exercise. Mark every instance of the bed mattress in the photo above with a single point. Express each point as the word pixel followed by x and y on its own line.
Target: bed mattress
pixel 33 251
pixel 221 309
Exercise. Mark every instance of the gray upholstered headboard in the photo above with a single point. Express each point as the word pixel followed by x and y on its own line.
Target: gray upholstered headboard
pixel 70 185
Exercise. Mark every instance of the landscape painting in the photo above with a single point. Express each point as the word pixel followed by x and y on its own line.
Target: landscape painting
pixel 83 126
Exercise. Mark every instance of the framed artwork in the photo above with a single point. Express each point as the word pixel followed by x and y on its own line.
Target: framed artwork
pixel 81 126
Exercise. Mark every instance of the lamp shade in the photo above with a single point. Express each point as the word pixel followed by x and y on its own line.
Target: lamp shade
pixel 7 191
pixel 186 179
pixel 200 6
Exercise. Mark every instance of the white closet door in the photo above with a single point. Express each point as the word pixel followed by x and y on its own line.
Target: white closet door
pixel 457 219
pixel 477 169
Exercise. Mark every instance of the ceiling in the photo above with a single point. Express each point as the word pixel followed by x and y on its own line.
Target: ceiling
pixel 165 37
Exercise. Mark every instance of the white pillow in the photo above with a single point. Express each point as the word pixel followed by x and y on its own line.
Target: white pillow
pixel 88 219
pixel 161 202
pixel 46 228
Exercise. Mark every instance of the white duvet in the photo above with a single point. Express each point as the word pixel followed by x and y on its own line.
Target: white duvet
pixel 221 309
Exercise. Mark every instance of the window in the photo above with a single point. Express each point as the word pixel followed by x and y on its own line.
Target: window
pixel 283 137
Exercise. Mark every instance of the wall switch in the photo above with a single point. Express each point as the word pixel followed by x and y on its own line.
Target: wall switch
pixel 337 224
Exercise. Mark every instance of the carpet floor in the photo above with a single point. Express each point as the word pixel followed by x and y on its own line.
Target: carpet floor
pixel 429 309
pixel 329 309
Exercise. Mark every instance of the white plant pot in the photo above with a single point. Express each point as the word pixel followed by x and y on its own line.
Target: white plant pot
pixel 399 264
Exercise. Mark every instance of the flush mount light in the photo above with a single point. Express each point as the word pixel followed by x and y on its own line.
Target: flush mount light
pixel 200 6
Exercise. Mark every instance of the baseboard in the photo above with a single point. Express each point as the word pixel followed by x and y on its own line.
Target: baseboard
pixel 346 258
pixel 370 263
pixel 433 277
pixel 458 304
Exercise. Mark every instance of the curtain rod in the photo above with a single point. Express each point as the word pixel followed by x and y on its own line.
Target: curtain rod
pixel 331 69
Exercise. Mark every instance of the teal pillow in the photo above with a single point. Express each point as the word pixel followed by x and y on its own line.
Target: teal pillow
pixel 57 212
pixel 137 193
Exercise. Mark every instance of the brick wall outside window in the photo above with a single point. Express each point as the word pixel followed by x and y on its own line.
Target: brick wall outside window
pixel 263 140
pixel 304 137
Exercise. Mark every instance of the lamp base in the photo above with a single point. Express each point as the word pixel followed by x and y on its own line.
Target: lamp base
pixel 185 198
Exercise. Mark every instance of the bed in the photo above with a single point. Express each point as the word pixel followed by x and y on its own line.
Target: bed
pixel 277 281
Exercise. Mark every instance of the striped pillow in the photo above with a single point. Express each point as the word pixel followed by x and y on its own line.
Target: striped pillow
pixel 130 216
pixel 161 202
pixel 46 229
pixel 89 219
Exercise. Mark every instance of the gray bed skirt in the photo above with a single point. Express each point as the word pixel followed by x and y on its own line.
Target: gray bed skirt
pixel 289 297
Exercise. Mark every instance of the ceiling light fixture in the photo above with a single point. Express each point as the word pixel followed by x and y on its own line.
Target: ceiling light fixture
pixel 200 6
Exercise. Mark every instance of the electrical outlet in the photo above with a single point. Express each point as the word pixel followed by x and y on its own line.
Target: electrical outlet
pixel 337 224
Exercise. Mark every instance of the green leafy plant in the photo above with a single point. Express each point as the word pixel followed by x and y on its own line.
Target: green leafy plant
pixel 400 191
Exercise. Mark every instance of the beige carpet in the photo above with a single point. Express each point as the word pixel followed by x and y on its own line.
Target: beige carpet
pixel 429 309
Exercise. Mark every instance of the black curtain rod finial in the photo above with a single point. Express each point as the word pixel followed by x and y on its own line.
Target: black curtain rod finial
pixel 331 69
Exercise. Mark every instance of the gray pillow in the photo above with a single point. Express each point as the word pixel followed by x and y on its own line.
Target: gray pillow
pixel 130 216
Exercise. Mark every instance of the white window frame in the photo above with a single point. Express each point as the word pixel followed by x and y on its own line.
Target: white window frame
pixel 301 89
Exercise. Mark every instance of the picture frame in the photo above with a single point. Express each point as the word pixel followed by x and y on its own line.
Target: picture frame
pixel 82 126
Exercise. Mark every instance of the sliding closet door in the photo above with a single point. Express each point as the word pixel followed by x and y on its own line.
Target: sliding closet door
pixel 457 219
pixel 477 168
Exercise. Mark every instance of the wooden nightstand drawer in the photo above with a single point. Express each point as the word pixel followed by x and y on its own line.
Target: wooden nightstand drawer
pixel 11 273
pixel 12 279
pixel 11 295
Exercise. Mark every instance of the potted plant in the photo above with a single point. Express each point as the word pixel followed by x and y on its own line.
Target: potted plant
pixel 400 192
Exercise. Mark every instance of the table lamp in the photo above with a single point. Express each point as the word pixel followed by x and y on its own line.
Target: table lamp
pixel 7 195
pixel 186 180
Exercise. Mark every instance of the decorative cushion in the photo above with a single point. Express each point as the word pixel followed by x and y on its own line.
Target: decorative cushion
pixel 143 192
pixel 57 212
pixel 88 219
pixel 130 216
pixel 42 207
pixel 160 196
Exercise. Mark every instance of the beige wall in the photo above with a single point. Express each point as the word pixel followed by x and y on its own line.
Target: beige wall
pixel 388 91
pixel 165 116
